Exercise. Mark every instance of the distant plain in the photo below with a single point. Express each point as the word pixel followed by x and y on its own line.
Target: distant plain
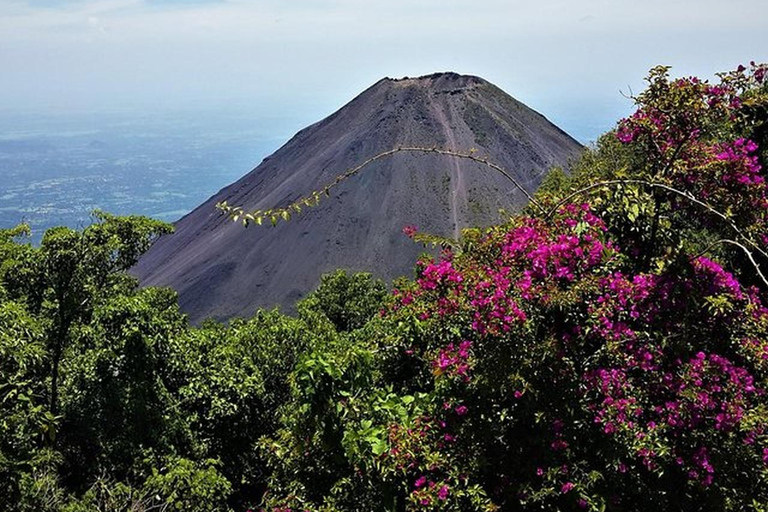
pixel 57 167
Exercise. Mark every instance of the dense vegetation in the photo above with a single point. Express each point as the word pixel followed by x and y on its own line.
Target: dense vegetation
pixel 605 349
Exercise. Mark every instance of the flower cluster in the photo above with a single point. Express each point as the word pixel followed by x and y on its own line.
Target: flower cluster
pixel 523 263
pixel 651 393
pixel 410 231
pixel 453 361
pixel 679 130
pixel 742 162
pixel 439 274
pixel 426 492
pixel 651 387
pixel 714 279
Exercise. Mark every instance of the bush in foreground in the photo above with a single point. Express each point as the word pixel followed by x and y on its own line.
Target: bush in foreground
pixel 606 350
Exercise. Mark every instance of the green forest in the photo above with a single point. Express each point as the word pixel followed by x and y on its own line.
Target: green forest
pixel 606 348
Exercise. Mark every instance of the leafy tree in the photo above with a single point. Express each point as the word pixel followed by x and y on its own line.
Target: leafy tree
pixel 46 294
pixel 73 271
pixel 232 382
pixel 348 301
pixel 25 420
pixel 118 405
pixel 176 484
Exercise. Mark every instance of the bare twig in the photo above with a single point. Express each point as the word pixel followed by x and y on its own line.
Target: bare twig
pixel 743 248
pixel 662 186
pixel 274 214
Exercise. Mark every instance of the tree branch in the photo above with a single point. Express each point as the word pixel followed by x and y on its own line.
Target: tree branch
pixel 274 214
pixel 662 186
pixel 743 248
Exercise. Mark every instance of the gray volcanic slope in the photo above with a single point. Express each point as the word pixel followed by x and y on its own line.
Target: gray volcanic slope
pixel 222 270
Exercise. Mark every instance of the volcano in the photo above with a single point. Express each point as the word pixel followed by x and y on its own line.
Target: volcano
pixel 222 270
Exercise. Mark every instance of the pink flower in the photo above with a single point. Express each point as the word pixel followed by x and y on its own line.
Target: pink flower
pixel 420 482
pixel 559 444
pixel 442 493
pixel 461 410
pixel 567 487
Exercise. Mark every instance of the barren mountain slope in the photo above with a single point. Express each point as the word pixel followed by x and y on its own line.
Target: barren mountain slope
pixel 222 270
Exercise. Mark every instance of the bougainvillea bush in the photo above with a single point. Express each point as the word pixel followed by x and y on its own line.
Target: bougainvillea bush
pixel 605 350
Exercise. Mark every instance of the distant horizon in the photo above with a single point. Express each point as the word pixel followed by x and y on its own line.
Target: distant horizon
pixel 568 59
pixel 56 169
pixel 285 116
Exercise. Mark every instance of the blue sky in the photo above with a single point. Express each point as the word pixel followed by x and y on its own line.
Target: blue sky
pixel 302 59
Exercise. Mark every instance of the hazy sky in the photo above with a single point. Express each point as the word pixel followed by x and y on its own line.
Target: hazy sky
pixel 569 59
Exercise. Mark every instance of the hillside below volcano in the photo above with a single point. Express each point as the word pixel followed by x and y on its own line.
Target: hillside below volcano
pixel 222 270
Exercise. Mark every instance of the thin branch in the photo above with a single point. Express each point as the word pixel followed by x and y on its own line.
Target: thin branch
pixel 274 214
pixel 662 186
pixel 483 161
pixel 673 158
pixel 743 248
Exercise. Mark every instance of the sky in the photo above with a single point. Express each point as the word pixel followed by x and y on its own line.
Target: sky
pixel 573 60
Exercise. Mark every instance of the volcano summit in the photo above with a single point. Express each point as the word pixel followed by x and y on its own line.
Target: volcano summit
pixel 222 270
